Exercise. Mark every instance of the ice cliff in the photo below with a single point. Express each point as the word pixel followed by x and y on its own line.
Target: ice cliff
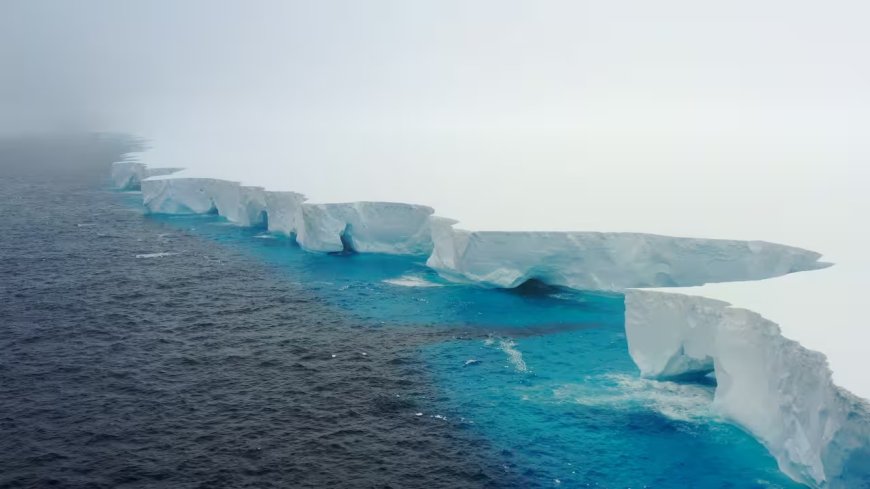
pixel 364 227
pixel 128 174
pixel 770 385
pixel 607 261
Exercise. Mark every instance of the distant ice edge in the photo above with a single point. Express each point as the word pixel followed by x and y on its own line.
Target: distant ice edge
pixel 817 431
pixel 772 386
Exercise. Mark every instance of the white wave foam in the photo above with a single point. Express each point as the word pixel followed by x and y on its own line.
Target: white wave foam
pixel 411 281
pixel 156 255
pixel 680 402
pixel 515 356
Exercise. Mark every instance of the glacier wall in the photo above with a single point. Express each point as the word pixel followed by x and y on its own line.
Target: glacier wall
pixel 128 175
pixel 778 390
pixel 608 261
pixel 283 211
pixel 188 195
pixel 365 227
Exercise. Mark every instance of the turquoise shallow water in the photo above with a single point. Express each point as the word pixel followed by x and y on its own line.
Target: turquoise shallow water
pixel 542 374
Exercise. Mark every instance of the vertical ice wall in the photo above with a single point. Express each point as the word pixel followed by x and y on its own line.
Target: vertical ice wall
pixel 365 227
pixel 128 175
pixel 780 391
pixel 607 261
pixel 283 211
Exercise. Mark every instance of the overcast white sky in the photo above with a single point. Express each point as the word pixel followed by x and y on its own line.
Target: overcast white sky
pixel 741 119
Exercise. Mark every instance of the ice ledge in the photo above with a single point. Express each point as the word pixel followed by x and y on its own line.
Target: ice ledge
pixel 128 174
pixel 607 261
pixel 775 388
pixel 578 260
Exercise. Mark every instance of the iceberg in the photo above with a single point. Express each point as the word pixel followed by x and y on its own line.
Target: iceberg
pixel 190 196
pixel 128 174
pixel 772 386
pixel 283 211
pixel 239 204
pixel 607 261
pixel 364 227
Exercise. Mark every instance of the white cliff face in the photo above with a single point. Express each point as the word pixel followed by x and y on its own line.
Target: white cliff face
pixel 681 342
pixel 283 211
pixel 608 261
pixel 128 175
pixel 366 227
pixel 770 385
pixel 184 195
pixel 245 206
pixel 242 205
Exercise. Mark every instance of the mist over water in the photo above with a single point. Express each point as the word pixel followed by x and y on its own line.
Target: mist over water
pixel 673 118
pixel 744 121
pixel 134 353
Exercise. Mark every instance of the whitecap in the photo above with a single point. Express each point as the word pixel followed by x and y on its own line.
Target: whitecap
pixel 514 356
pixel 676 401
pixel 156 255
pixel 411 281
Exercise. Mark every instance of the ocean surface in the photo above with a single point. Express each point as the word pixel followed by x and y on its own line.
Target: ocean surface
pixel 160 351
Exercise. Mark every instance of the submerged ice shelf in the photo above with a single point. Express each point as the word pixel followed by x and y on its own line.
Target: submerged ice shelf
pixel 768 384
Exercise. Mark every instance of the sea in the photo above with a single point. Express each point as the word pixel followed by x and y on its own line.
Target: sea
pixel 143 350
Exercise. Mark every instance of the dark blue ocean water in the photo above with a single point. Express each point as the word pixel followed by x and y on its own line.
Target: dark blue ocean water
pixel 186 352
